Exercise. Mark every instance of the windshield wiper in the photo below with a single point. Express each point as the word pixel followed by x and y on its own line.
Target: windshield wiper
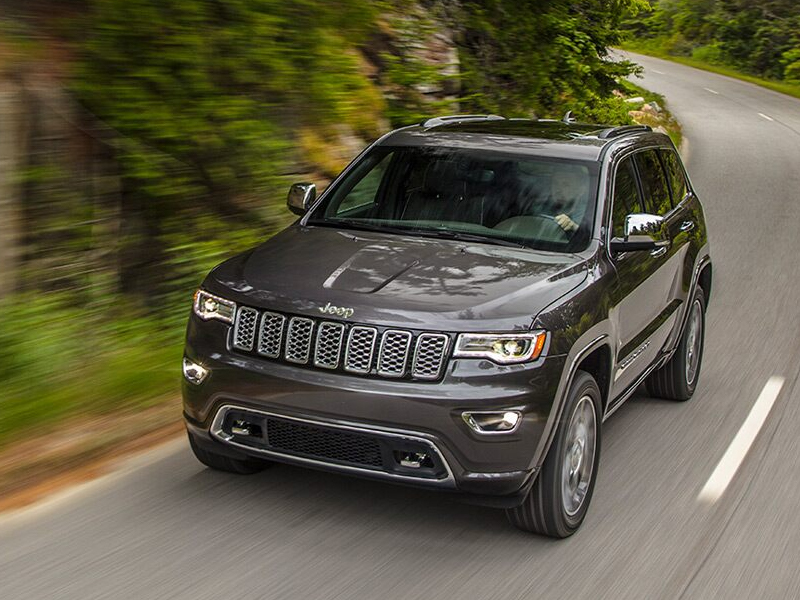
pixel 464 236
pixel 450 234
pixel 354 224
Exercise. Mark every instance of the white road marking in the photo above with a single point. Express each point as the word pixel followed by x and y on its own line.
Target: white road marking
pixel 767 117
pixel 712 91
pixel 659 72
pixel 736 452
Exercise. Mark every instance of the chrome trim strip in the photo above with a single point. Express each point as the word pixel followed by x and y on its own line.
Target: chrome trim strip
pixel 217 433
pixel 235 342
pixel 622 398
pixel 353 330
pixel 630 359
pixel 292 323
pixel 282 320
pixel 442 356
pixel 407 336
pixel 324 325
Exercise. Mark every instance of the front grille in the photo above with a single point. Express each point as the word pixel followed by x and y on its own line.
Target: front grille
pixel 333 345
pixel 429 356
pixel 393 354
pixel 360 349
pixel 328 348
pixel 322 443
pixel 244 332
pixel 298 340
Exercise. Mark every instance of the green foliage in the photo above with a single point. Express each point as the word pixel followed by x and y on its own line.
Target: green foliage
pixel 753 36
pixel 60 358
pixel 530 57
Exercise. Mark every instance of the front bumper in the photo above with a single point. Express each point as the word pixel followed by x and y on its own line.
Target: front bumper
pixel 425 413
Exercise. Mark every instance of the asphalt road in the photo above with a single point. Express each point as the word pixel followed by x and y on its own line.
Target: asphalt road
pixel 170 529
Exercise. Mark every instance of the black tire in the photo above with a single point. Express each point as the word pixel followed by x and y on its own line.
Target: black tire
pixel 675 381
pixel 544 509
pixel 219 462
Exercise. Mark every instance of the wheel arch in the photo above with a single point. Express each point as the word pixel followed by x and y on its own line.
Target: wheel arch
pixel 598 364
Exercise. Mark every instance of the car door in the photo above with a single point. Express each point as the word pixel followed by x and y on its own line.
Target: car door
pixel 683 227
pixel 640 300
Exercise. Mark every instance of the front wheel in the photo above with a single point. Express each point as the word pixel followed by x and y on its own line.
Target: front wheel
pixel 560 496
pixel 677 379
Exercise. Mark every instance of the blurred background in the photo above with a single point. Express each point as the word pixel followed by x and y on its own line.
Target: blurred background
pixel 144 141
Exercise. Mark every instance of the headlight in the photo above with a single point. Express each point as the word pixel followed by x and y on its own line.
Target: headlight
pixel 208 306
pixel 503 348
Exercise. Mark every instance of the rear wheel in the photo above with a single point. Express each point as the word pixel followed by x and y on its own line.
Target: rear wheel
pixel 677 379
pixel 220 462
pixel 560 496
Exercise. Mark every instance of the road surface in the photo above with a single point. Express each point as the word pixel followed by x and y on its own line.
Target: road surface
pixel 172 529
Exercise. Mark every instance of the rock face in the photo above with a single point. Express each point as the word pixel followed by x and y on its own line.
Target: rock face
pixel 58 183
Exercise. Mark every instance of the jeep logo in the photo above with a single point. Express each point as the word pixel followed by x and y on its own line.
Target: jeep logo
pixel 339 311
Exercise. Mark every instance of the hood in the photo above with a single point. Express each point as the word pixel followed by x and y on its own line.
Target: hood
pixel 394 280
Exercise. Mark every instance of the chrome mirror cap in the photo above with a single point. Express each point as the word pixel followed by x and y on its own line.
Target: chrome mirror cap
pixel 301 196
pixel 642 227
pixel 642 232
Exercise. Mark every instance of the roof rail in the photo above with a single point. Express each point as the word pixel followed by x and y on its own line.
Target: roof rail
pixel 613 132
pixel 436 121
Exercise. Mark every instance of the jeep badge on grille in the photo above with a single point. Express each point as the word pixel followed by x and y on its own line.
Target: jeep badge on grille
pixel 339 311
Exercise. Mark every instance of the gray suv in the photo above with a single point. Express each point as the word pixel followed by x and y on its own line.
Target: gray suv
pixel 460 310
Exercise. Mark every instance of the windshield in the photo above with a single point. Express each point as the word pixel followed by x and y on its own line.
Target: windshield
pixel 474 195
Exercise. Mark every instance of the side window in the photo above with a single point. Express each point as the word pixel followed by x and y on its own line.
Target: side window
pixel 654 183
pixel 626 196
pixel 677 179
pixel 364 192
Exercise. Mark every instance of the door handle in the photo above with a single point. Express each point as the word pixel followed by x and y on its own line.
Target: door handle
pixel 687 225
pixel 659 252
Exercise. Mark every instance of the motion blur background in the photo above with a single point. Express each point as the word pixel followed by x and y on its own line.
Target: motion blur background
pixel 144 141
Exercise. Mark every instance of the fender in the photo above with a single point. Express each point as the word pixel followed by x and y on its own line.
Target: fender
pixel 561 394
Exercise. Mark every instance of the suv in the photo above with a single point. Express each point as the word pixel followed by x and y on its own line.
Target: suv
pixel 460 310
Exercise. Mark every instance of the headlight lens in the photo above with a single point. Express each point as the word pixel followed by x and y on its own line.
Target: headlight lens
pixel 208 306
pixel 505 349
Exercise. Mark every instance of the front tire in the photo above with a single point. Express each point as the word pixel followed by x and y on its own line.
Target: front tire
pixel 557 503
pixel 677 379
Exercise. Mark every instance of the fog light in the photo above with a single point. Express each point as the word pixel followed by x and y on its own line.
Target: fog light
pixel 502 421
pixel 193 372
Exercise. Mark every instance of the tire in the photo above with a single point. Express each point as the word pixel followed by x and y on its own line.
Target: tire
pixel 557 503
pixel 219 462
pixel 677 379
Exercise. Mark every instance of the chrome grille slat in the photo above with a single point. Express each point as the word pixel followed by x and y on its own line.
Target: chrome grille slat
pixel 244 330
pixel 298 340
pixel 270 334
pixel 329 345
pixel 360 349
pixel 328 348
pixel 393 353
pixel 429 355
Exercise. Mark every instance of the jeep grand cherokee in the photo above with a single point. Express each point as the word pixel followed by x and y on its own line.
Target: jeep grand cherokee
pixel 460 310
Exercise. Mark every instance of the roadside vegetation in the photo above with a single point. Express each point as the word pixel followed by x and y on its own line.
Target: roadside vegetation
pixel 154 139
pixel 753 40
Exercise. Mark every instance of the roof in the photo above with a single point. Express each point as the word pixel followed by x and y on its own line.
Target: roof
pixel 558 139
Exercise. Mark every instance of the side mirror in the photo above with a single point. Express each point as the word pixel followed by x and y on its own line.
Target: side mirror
pixel 642 232
pixel 301 197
